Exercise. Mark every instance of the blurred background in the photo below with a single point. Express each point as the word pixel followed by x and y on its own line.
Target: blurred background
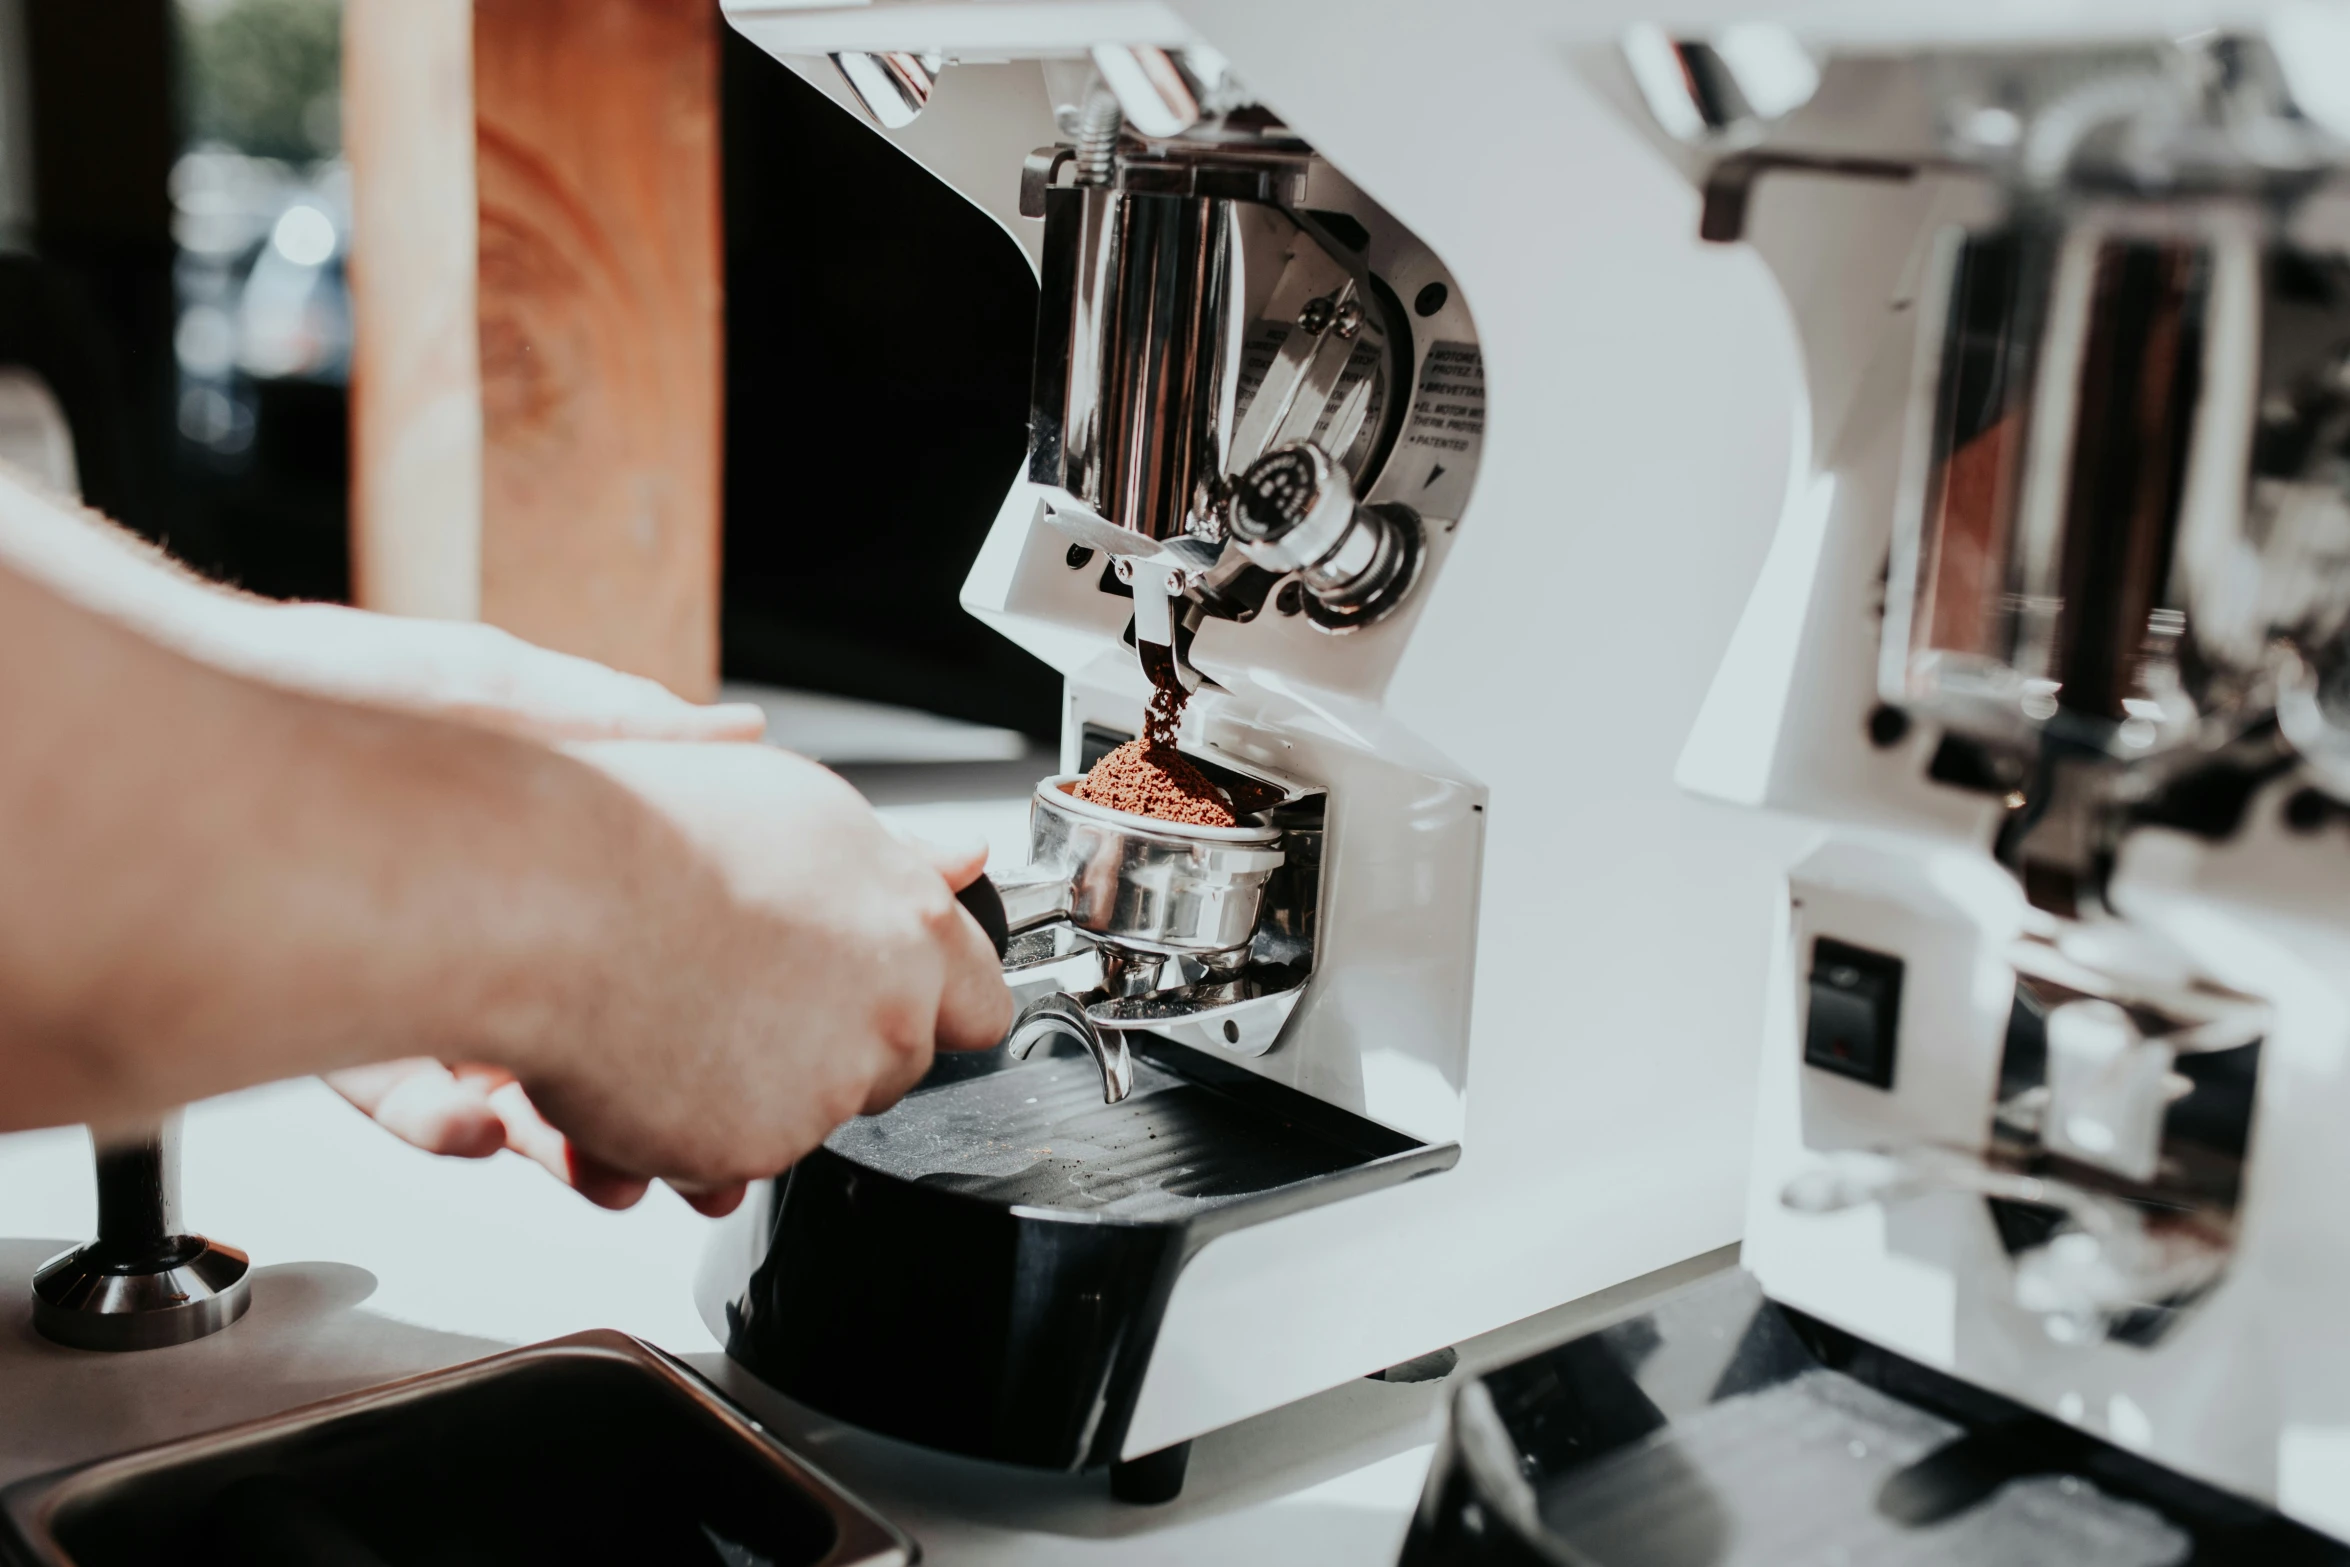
pixel 176 337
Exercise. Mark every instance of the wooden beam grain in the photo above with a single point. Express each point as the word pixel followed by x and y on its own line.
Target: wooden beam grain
pixel 601 330
pixel 416 432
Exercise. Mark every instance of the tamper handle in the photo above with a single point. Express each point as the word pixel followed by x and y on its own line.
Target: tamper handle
pixel 138 1181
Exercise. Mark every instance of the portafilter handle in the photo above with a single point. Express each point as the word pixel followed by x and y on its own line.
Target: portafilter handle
pixel 985 904
pixel 1011 905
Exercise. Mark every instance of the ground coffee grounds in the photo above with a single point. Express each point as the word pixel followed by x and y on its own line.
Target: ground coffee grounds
pixel 1162 721
pixel 1149 777
pixel 1155 781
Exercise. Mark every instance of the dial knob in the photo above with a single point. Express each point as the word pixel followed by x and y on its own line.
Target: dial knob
pixel 1291 507
pixel 1294 511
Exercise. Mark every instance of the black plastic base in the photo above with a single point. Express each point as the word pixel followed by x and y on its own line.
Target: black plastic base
pixel 1722 1428
pixel 984 1268
pixel 1152 1479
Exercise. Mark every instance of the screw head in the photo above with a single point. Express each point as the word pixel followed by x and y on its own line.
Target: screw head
pixel 1291 599
pixel 1078 557
pixel 1316 314
pixel 1350 321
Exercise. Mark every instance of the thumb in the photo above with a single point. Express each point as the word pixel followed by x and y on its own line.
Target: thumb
pixel 959 861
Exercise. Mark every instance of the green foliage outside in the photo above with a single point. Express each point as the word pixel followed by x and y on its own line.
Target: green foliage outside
pixel 262 75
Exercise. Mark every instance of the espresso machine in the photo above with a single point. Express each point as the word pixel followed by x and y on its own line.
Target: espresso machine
pixel 1298 1099
pixel 2053 648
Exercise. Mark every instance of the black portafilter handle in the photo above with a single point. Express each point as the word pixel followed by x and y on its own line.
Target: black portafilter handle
pixel 986 905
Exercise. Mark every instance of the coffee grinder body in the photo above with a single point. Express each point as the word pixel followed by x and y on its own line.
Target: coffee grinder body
pixel 2057 1042
pixel 1367 623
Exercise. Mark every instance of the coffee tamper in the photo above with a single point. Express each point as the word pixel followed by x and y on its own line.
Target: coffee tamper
pixel 143 1283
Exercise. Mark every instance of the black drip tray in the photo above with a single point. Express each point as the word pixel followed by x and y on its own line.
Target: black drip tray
pixel 1719 1429
pixel 1039 1135
pixel 984 1268
pixel 1801 1471
pixel 590 1449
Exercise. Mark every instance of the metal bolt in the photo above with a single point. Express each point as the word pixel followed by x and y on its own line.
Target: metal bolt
pixel 2307 810
pixel 1350 320
pixel 1316 315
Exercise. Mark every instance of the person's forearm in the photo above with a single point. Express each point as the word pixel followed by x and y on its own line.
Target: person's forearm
pixel 212 883
pixel 84 557
pixel 94 562
pixel 445 669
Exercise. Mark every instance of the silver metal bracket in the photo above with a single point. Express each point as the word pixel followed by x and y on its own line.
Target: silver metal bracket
pixel 893 88
pixel 1055 1015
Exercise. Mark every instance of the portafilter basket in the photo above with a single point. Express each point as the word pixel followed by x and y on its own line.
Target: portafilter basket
pixel 1142 890
pixel 1135 882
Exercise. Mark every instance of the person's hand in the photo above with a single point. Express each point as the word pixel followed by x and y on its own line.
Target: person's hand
pixel 801 971
pixel 467 672
pixel 472 1112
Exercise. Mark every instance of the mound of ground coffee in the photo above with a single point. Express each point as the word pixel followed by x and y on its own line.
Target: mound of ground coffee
pixel 1155 781
pixel 1149 777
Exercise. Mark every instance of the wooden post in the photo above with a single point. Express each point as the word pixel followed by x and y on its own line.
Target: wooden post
pixel 596 295
pixel 415 376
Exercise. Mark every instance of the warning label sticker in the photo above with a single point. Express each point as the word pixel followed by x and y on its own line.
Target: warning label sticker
pixel 1448 414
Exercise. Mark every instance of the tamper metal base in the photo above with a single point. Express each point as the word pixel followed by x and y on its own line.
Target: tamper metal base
pixel 88 1299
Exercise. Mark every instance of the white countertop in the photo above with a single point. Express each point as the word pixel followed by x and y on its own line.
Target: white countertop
pixel 373 1261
